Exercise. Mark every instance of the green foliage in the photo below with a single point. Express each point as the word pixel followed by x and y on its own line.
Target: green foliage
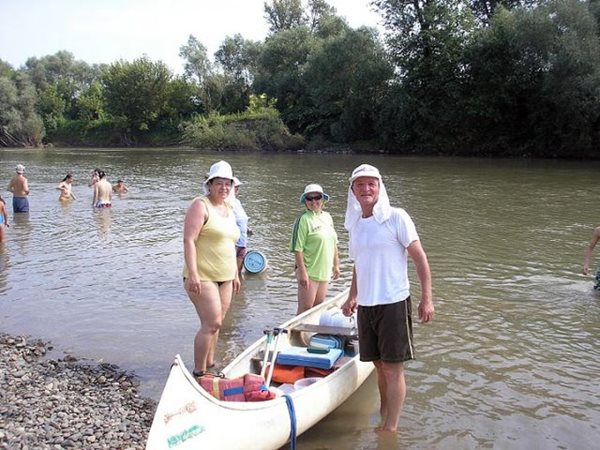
pixel 51 107
pixel 260 104
pixel 6 70
pixel 90 104
pixel 183 99
pixel 284 15
pixel 197 65
pixel 20 125
pixel 534 86
pixel 427 40
pixel 260 129
pixel 485 9
pixel 493 77
pixel 279 72
pixel 66 77
pixel 237 57
pixel 137 91
pixel 346 79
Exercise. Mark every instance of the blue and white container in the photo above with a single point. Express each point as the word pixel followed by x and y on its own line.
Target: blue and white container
pixel 255 262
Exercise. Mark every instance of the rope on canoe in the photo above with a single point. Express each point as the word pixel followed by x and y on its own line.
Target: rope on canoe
pixel 292 412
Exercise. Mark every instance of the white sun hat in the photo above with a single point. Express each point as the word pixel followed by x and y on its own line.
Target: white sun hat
pixel 313 188
pixel 220 169
pixel 236 182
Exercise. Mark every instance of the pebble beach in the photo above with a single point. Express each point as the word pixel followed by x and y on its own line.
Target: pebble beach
pixel 67 403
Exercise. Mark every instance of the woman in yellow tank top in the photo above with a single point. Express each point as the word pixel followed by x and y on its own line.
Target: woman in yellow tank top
pixel 210 272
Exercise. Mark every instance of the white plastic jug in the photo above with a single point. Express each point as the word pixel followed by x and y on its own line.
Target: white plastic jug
pixel 336 318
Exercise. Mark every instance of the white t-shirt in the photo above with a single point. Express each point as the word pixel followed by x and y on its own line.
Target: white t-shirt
pixel 381 259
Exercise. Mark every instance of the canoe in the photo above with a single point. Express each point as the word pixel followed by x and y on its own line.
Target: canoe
pixel 188 417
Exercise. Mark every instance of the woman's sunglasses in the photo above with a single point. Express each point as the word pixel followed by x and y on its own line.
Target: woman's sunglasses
pixel 312 199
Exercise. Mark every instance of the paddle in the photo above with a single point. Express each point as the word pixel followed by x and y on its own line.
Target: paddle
pixel 278 332
pixel 268 341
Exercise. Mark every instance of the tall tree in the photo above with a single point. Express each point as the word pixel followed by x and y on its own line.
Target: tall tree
pixel 485 9
pixel 137 92
pixel 67 77
pixel 197 65
pixel 318 11
pixel 426 39
pixel 20 125
pixel 90 104
pixel 237 57
pixel 347 78
pixel 284 15
pixel 279 72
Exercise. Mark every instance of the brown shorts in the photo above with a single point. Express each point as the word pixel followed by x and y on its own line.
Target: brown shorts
pixel 240 252
pixel 385 332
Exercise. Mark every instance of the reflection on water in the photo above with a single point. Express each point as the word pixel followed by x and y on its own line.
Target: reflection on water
pixel 4 266
pixel 103 217
pixel 510 361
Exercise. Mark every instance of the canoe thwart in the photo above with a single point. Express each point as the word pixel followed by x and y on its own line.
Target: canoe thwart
pixel 323 329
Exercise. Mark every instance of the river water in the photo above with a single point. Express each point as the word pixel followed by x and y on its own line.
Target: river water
pixel 511 360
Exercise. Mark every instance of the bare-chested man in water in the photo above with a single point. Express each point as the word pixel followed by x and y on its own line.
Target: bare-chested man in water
pixel 102 192
pixel 20 190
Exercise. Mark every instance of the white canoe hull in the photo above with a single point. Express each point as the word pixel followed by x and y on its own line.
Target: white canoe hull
pixel 187 417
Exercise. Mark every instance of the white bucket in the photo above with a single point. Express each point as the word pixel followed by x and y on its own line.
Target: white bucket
pixel 336 318
pixel 305 382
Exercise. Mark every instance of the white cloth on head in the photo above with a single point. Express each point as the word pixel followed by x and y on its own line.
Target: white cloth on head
pixel 381 211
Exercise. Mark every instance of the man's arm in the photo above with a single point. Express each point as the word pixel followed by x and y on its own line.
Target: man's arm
pixel 349 305
pixel 426 309
pixel 589 249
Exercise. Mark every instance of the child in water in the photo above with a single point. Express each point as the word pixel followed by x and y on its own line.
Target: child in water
pixel 3 218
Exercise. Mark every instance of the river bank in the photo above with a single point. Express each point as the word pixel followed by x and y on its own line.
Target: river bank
pixel 67 403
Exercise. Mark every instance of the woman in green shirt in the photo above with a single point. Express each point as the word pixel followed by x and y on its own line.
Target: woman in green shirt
pixel 314 243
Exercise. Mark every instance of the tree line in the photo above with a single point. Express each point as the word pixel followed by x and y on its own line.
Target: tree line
pixel 455 77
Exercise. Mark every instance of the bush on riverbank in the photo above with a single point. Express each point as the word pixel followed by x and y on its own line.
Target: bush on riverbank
pixel 262 130
pixel 110 133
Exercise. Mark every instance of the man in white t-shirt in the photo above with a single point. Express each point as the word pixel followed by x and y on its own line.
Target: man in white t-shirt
pixel 381 239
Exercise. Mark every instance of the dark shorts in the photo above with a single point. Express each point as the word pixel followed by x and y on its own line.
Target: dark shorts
pixel 385 332
pixel 240 252
pixel 20 205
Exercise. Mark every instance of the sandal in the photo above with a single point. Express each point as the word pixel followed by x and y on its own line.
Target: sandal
pixel 211 373
pixel 199 374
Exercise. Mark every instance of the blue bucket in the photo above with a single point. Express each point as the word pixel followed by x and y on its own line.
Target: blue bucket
pixel 255 262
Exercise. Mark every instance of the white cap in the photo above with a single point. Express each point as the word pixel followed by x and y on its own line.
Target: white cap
pixel 236 182
pixel 365 170
pixel 313 188
pixel 20 168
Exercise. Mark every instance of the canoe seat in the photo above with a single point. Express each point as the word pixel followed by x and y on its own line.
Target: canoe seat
pixel 323 329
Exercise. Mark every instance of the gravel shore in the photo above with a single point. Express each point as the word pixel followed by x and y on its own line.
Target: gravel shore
pixel 67 403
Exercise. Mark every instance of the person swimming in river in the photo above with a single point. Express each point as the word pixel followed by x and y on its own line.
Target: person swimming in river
pixel 102 192
pixel 65 188
pixel 120 187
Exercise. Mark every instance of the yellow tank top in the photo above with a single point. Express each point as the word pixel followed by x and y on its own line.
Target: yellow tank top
pixel 215 246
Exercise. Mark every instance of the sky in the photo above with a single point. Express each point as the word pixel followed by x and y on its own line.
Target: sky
pixel 105 31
